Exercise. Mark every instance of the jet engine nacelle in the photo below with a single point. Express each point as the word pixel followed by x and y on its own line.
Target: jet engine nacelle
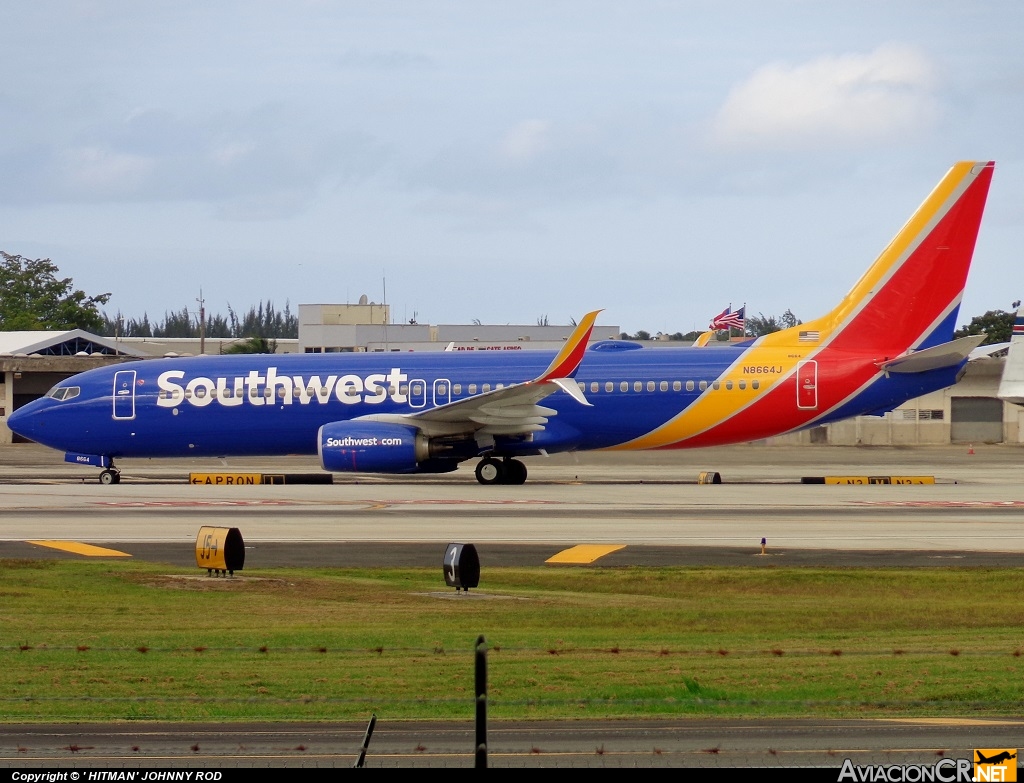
pixel 371 447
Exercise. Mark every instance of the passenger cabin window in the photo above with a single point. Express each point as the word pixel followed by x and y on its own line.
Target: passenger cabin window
pixel 472 388
pixel 638 386
pixel 663 386
pixel 594 387
pixel 609 386
pixel 702 385
pixel 486 387
pixel 624 386
pixel 456 389
pixel 689 386
pixel 650 386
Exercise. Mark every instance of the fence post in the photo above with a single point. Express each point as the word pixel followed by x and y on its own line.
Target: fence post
pixel 366 740
pixel 481 702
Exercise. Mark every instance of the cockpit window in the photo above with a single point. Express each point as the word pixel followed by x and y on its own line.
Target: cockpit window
pixel 64 393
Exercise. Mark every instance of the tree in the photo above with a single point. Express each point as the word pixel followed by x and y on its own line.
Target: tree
pixel 33 297
pixel 761 324
pixel 253 345
pixel 997 326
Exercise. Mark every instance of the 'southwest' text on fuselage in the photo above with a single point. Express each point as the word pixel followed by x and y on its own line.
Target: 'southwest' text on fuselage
pixel 271 389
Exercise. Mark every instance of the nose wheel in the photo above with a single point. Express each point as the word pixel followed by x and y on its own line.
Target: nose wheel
pixel 506 471
pixel 110 476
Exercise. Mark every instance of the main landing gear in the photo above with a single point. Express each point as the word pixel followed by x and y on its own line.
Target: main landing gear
pixel 110 475
pixel 503 471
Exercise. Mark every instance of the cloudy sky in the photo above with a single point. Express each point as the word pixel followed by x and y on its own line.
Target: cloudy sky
pixel 502 161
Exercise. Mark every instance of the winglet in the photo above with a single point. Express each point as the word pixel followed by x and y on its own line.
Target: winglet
pixel 703 339
pixel 565 364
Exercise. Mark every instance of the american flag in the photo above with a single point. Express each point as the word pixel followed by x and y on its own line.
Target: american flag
pixel 727 319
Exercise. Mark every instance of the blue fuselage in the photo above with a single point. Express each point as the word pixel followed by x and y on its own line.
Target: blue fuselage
pixel 272 405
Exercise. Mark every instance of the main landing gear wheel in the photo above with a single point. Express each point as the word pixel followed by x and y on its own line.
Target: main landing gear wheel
pixel 490 471
pixel 515 472
pixel 110 476
pixel 507 471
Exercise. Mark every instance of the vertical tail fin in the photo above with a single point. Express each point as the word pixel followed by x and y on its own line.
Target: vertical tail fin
pixel 910 297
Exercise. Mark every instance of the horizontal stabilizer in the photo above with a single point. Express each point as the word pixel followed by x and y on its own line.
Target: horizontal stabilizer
pixel 934 358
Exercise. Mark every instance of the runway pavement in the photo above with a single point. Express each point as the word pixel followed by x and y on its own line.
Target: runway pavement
pixel 650 503
pixel 696 742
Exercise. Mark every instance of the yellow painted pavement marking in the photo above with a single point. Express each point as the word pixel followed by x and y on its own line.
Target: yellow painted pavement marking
pixel 584 553
pixel 80 549
pixel 957 721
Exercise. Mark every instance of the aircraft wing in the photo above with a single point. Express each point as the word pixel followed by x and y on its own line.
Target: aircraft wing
pixel 511 410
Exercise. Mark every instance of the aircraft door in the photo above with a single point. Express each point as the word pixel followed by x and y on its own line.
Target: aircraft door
pixel 124 394
pixel 442 392
pixel 417 393
pixel 807 385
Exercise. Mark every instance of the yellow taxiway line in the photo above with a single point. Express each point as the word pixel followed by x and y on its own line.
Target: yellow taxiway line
pixel 80 549
pixel 584 554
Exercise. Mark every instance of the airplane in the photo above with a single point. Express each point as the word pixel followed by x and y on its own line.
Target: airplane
pixel 997 759
pixel 889 340
pixel 1011 385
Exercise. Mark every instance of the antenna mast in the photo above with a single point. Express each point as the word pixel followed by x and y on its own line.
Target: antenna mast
pixel 202 323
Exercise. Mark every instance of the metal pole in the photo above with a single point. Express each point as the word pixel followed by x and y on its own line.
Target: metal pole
pixel 366 740
pixel 481 702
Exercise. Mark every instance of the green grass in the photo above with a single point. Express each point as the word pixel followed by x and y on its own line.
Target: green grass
pixel 115 640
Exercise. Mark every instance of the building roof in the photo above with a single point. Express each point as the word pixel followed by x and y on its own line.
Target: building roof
pixel 72 342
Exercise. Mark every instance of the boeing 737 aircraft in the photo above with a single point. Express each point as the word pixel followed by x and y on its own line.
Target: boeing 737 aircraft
pixel 887 341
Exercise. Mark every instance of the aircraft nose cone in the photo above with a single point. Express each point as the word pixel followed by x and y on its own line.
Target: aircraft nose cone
pixel 24 421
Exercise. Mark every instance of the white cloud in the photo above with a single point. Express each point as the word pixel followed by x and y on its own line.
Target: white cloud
pixel 841 100
pixel 100 171
pixel 230 152
pixel 526 140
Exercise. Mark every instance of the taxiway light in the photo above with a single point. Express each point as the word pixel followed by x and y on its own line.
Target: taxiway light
pixel 461 566
pixel 220 550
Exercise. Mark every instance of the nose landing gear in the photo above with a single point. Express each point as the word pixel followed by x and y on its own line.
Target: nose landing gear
pixel 110 475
